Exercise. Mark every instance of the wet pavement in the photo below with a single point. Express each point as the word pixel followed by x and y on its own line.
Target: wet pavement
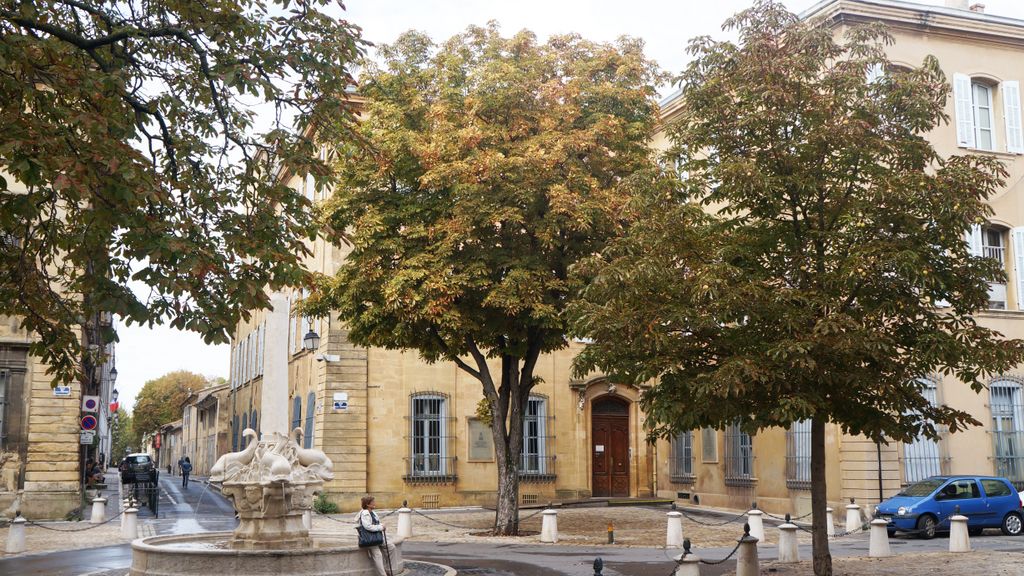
pixel 199 509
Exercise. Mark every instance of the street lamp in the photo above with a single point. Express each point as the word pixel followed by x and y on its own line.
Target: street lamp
pixel 113 394
pixel 113 376
pixel 311 341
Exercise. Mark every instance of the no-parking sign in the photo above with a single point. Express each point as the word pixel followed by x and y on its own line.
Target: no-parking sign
pixel 90 403
pixel 89 422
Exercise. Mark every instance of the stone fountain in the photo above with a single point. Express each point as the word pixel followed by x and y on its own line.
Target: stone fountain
pixel 271 484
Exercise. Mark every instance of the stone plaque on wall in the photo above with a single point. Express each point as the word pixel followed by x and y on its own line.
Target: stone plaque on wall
pixel 481 443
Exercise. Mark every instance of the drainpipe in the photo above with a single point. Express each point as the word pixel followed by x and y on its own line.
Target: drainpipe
pixel 654 470
pixel 878 449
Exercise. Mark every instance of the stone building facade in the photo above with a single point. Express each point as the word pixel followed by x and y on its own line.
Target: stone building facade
pixel 41 454
pixel 403 429
pixel 980 55
pixel 203 428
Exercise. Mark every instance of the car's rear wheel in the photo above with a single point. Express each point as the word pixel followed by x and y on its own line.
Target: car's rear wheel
pixel 975 531
pixel 926 526
pixel 1012 525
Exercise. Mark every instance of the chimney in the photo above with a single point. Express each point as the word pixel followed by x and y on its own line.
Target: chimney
pixel 958 4
pixel 977 7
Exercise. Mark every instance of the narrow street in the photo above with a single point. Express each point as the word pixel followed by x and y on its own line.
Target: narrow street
pixel 181 510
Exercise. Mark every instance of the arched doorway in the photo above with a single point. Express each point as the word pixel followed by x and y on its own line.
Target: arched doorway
pixel 609 438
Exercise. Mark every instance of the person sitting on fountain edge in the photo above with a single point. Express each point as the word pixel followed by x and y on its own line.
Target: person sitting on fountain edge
pixel 368 520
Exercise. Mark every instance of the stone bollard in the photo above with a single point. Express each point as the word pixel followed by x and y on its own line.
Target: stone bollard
pixel 959 539
pixel 674 532
pixel 16 536
pixel 131 524
pixel 755 518
pixel 687 563
pixel 549 526
pixel 830 523
pixel 852 516
pixel 878 545
pixel 404 523
pixel 789 552
pixel 307 519
pixel 746 559
pixel 99 511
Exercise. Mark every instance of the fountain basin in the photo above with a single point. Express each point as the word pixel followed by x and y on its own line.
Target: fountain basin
pixel 211 554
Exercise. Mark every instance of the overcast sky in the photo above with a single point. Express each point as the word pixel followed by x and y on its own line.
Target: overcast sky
pixel 665 26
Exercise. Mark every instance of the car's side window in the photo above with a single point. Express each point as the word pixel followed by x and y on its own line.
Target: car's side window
pixel 961 490
pixel 994 488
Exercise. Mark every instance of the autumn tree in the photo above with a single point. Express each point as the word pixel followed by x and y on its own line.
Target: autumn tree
pixel 159 401
pixel 123 437
pixel 808 262
pixel 492 165
pixel 132 151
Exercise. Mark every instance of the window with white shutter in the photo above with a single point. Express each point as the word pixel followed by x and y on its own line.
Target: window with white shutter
pixel 973 239
pixel 964 110
pixel 1012 116
pixel 984 134
pixel 1017 240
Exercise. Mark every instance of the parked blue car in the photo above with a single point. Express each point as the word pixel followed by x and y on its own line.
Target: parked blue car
pixel 925 507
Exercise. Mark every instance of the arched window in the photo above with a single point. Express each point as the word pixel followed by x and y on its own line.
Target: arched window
pixel 296 412
pixel 976 116
pixel 307 437
pixel 536 451
pixel 739 456
pixel 681 458
pixel 798 455
pixel 429 436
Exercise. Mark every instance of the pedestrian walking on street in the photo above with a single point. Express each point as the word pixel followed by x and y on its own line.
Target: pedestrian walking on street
pixel 186 469
pixel 367 520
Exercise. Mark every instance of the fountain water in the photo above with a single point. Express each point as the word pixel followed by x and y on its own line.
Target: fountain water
pixel 271 484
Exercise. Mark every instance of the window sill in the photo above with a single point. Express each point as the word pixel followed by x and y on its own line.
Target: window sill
pixel 997 153
pixel 431 479
pixel 686 479
pixel 523 477
pixel 741 481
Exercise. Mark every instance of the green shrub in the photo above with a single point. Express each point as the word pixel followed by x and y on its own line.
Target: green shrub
pixel 323 505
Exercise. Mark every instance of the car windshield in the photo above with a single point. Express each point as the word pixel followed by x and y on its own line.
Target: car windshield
pixel 922 488
pixel 141 459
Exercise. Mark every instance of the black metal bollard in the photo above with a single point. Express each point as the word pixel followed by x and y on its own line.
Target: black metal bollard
pixel 611 533
pixel 598 566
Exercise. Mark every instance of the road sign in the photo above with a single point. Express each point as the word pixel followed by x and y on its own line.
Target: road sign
pixel 62 391
pixel 89 422
pixel 90 403
pixel 86 436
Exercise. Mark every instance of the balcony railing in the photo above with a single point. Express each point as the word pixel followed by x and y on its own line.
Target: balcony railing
pixel 994 252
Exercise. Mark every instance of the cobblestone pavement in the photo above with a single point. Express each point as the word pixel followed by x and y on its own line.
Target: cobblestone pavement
pixel 989 563
pixel 633 526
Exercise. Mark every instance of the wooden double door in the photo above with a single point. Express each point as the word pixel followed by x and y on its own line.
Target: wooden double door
pixel 609 438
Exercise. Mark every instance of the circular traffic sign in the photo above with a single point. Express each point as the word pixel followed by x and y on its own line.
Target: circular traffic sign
pixel 91 404
pixel 89 422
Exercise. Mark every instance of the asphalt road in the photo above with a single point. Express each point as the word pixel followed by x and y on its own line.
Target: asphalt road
pixel 198 509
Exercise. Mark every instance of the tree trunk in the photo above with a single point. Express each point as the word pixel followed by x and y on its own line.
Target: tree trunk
pixel 506 519
pixel 819 500
pixel 507 429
